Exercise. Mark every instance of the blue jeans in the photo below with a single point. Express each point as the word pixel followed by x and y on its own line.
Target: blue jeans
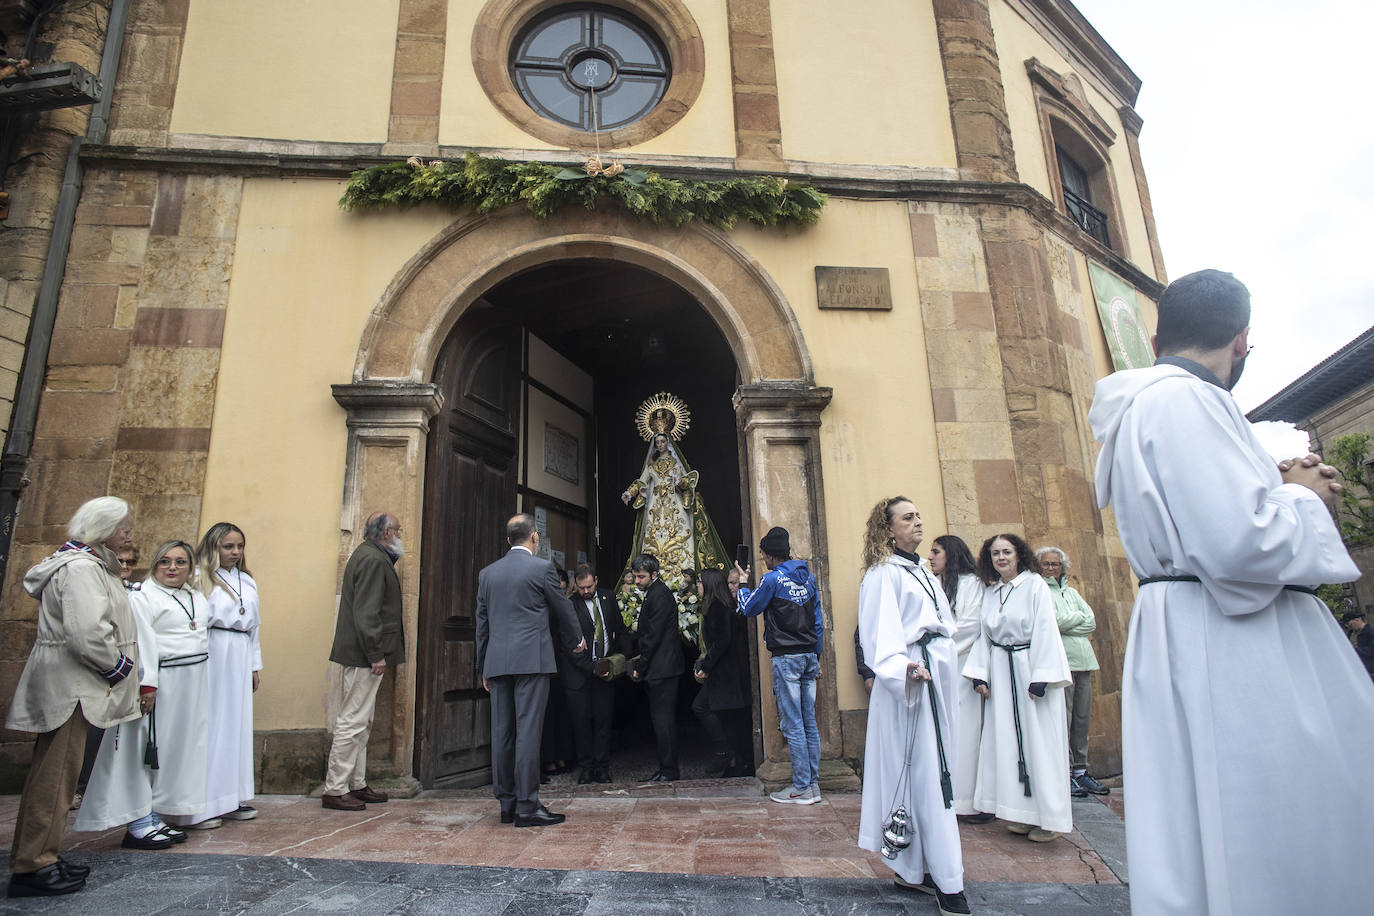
pixel 794 686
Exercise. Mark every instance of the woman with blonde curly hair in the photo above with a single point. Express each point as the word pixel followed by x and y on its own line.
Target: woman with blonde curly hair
pixel 905 628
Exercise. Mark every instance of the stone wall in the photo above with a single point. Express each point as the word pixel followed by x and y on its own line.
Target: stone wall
pixel 130 391
pixel 34 181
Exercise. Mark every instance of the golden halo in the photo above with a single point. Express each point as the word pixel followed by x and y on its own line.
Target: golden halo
pixel 663 413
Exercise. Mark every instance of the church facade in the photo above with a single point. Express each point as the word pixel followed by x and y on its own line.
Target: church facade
pixel 230 344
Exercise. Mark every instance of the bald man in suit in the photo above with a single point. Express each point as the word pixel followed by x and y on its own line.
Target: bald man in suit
pixel 516 598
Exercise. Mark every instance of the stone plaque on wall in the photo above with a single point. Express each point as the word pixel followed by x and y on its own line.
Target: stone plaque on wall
pixel 853 288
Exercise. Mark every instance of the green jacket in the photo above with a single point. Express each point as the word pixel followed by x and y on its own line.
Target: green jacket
pixel 369 626
pixel 1076 622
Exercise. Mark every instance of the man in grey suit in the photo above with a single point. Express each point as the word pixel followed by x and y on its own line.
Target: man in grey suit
pixel 515 597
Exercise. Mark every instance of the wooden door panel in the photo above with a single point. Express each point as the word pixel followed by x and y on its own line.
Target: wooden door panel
pixel 470 481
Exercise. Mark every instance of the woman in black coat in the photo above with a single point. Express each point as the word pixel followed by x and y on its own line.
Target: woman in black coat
pixel 721 670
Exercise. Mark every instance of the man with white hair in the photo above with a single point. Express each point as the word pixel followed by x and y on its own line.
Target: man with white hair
pixel 367 638
pixel 77 673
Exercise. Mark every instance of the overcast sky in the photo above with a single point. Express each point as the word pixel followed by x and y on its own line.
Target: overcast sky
pixel 1258 145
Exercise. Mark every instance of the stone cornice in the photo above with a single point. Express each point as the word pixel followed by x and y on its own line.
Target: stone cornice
pixel 854 183
pixel 1084 45
pixel 387 403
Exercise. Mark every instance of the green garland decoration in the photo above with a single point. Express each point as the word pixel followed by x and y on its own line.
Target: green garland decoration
pixel 484 185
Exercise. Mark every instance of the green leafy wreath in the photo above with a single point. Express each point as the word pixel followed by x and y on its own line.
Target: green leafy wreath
pixel 484 185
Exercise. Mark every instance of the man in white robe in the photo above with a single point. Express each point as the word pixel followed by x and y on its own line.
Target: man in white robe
pixel 1239 689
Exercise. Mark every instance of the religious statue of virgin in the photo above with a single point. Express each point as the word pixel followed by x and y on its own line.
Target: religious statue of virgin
pixel 672 525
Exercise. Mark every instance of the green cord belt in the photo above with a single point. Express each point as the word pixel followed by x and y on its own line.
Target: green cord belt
pixel 1022 772
pixel 946 785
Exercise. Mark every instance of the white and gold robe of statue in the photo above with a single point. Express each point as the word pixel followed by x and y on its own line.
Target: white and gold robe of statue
pixel 664 493
pixel 1247 721
pixel 968 624
pixel 1020 613
pixel 895 611
pixel 122 787
pixel 235 653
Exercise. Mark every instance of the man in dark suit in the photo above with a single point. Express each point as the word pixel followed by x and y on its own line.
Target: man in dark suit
pixel 367 639
pixel 516 597
pixel 660 661
pixel 591 700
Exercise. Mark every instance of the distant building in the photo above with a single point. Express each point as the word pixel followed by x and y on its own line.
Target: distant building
pixel 1333 398
pixel 228 344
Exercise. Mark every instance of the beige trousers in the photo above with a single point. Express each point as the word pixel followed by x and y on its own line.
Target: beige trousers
pixel 355 692
pixel 48 792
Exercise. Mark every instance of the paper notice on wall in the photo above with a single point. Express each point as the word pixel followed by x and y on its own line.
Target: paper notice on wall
pixel 541 525
pixel 581 557
pixel 558 557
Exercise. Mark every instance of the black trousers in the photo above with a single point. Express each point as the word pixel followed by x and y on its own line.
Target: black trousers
pixel 591 709
pixel 517 720
pixel 663 715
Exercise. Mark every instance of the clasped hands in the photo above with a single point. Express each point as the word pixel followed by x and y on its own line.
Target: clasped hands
pixel 1309 472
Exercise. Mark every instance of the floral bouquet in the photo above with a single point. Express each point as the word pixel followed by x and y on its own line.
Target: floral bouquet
pixel 689 617
pixel 630 602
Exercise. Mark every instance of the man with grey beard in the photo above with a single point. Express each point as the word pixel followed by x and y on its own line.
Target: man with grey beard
pixel 367 638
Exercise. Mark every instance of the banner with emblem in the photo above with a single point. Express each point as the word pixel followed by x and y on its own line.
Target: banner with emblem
pixel 1127 337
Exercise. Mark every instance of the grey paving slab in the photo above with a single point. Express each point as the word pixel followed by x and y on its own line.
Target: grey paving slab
pixel 1106 832
pixel 261 886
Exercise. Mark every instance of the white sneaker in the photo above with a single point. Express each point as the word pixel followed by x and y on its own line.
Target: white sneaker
pixel 210 823
pixel 790 795
pixel 813 794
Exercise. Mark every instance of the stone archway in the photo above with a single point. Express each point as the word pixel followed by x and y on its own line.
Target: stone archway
pixel 391 399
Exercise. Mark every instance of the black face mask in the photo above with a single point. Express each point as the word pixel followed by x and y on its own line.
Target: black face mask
pixel 1236 369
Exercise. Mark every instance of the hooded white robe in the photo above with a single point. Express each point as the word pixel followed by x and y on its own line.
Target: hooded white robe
pixel 894 612
pixel 968 624
pixel 1247 721
pixel 235 653
pixel 122 788
pixel 1018 613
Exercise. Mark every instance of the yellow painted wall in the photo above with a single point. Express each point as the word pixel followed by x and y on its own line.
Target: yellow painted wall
pixel 862 86
pixel 467 117
pixel 306 276
pixel 306 70
pixel 1017 42
pixel 878 434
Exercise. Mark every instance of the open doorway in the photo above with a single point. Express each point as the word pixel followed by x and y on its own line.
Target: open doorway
pixel 541 378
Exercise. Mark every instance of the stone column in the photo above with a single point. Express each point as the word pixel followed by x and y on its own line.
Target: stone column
pixel 781 424
pixel 973 81
pixel 387 426
pixel 758 123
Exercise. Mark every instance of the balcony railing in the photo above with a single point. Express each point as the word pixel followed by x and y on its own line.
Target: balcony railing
pixel 1090 219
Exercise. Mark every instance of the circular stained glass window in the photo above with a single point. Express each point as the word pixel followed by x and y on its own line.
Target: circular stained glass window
pixel 591 68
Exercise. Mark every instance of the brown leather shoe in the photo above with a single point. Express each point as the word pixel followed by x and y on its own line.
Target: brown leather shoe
pixel 344 802
pixel 371 796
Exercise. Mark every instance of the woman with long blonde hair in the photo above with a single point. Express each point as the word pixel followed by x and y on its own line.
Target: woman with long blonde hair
pixel 905 628
pixel 235 670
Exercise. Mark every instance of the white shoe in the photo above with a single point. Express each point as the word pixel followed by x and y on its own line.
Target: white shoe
pixel 243 813
pixel 790 795
pixel 813 795
pixel 209 823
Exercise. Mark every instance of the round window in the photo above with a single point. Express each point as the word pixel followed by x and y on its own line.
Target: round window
pixel 590 68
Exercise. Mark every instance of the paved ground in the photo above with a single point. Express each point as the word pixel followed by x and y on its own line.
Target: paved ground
pixel 698 849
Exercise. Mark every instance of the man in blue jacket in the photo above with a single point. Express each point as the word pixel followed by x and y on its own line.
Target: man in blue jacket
pixel 793 625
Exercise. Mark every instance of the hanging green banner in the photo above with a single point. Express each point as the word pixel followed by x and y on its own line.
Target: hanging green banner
pixel 1127 337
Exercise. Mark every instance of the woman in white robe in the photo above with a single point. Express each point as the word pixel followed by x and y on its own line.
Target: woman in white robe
pixel 233 670
pixel 173 621
pixel 905 629
pixel 1018 664
pixel 952 561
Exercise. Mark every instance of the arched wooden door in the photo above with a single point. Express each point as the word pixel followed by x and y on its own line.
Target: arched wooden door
pixel 470 482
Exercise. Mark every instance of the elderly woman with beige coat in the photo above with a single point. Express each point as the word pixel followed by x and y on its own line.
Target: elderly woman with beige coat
pixel 77 673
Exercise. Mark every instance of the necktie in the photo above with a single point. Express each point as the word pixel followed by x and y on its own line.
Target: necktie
pixel 599 631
